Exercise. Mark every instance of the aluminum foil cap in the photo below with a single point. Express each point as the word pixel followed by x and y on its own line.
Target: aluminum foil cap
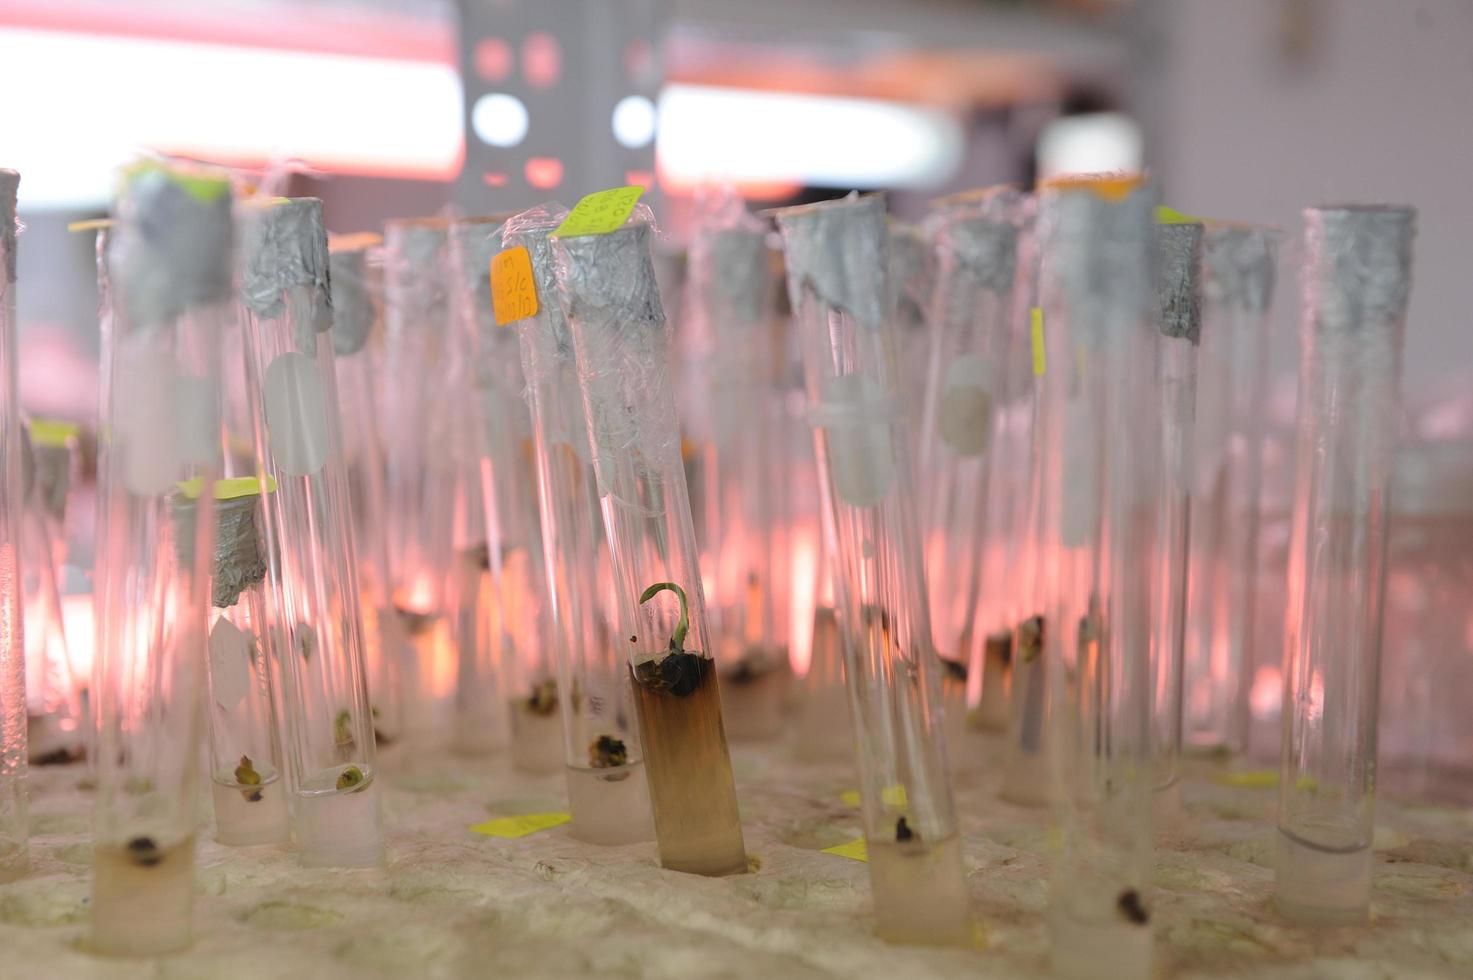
pixel 415 277
pixel 473 242
pixel 9 187
pixel 1099 250
pixel 353 311
pixel 838 249
pixel 285 246
pixel 1358 265
pixel 1179 280
pixel 982 249
pixel 171 247
pixel 1241 267
pixel 239 563
pixel 610 279
pixel 729 268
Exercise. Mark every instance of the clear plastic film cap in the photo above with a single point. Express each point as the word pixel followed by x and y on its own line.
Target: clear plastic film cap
pixel 353 304
pixel 1241 266
pixel 549 342
pixel 1179 280
pixel 838 249
pixel 473 243
pixel 9 188
pixel 171 247
pixel 1358 264
pixel 285 245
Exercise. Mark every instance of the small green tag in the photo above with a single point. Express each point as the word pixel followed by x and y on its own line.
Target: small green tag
pixel 521 825
pixel 53 433
pixel 1169 216
pixel 850 796
pixel 231 489
pixel 600 212
pixel 855 850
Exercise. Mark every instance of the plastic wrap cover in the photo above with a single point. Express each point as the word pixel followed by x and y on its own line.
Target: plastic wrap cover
pixel 285 246
pixel 728 274
pixel 607 287
pixel 1241 266
pixel 473 242
pixel 415 277
pixel 547 344
pixel 239 563
pixel 1358 265
pixel 353 308
pixel 838 249
pixel 171 247
pixel 1179 280
pixel 9 187
pixel 1097 248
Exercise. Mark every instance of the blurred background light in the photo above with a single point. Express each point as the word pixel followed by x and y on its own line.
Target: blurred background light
pixel 710 133
pixel 500 119
pixel 634 121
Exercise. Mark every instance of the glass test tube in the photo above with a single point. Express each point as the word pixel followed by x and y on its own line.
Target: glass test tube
pixel 824 733
pixel 246 771
pixel 418 425
pixel 1095 530
pixel 1357 279
pixel 1232 379
pixel 608 793
pixel 727 347
pixel 511 669
pixel 912 279
pixel 357 340
pixel 836 281
pixel 975 241
pixel 14 825
pixel 314 600
pixel 607 288
pixel 1179 320
pixel 169 256
pixel 54 729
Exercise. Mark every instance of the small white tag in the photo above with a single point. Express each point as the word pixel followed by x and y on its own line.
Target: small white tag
pixel 964 415
pixel 230 664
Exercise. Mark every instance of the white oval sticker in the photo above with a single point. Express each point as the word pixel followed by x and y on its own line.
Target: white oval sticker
pixel 296 415
pixel 964 415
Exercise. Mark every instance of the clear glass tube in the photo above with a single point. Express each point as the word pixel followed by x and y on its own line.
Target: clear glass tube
pixel 836 282
pixel 357 342
pixel 14 825
pixel 607 789
pixel 1094 524
pixel 314 597
pixel 1232 383
pixel 418 425
pixel 824 732
pixel 55 726
pixel 247 776
pixel 607 288
pixel 727 359
pixel 1179 320
pixel 1357 278
pixel 510 669
pixel 169 257
pixel 976 242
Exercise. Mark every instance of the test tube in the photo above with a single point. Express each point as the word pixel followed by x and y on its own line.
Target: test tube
pixel 822 722
pixel 357 340
pixel 418 424
pixel 54 731
pixel 1096 528
pixel 608 793
pixel 14 826
pixel 1240 265
pixel 727 346
pixel 245 747
pixel 507 664
pixel 1179 319
pixel 608 293
pixel 912 278
pixel 1356 282
pixel 169 256
pixel 318 629
pixel 975 240
pixel 836 257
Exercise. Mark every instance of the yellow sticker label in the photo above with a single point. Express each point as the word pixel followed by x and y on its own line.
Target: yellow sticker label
pixel 1170 216
pixel 91 224
pixel 850 796
pixel 522 825
pixel 53 433
pixel 231 489
pixel 1035 324
pixel 600 212
pixel 513 289
pixel 894 796
pixel 1251 778
pixel 854 850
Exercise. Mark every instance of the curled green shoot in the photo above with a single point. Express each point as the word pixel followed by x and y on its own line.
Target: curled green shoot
pixel 677 638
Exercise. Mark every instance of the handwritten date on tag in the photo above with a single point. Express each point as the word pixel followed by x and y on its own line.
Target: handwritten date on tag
pixel 513 289
pixel 600 212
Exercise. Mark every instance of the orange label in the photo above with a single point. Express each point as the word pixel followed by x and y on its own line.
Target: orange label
pixel 513 290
